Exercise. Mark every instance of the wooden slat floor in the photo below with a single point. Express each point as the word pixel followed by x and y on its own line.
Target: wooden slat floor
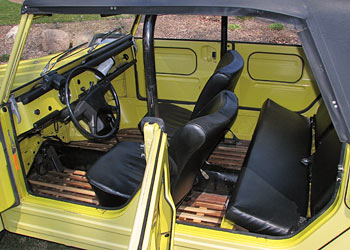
pixel 70 184
pixel 202 208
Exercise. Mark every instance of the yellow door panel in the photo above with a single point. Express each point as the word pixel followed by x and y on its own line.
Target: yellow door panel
pixel 183 68
pixel 9 163
pixel 6 190
pixel 278 72
pixel 275 67
pixel 187 89
pixel 155 217
pixel 167 61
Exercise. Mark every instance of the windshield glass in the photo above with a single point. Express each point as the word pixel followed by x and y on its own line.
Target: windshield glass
pixel 56 40
pixel 50 35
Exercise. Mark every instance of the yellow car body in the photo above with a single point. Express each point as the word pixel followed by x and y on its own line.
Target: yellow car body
pixel 278 72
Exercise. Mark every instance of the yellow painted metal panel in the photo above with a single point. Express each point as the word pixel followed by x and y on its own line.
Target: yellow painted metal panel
pixel 167 61
pixel 253 93
pixel 155 215
pixel 13 165
pixel 245 123
pixel 341 242
pixel 50 102
pixel 72 224
pixel 275 67
pixel 7 198
pixel 186 88
pixel 182 87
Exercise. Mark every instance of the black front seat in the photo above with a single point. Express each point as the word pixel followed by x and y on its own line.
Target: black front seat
pixel 225 77
pixel 117 175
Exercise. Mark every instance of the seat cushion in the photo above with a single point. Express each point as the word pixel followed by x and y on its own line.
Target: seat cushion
pixel 118 173
pixel 281 139
pixel 259 207
pixel 276 178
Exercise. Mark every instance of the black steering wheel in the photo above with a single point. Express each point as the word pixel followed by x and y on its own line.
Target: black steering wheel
pixel 92 107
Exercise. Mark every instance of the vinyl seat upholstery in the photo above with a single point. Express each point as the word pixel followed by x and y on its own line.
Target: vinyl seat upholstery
pixel 272 193
pixel 118 174
pixel 225 77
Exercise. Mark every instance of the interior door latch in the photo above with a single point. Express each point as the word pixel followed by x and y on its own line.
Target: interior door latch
pixel 14 108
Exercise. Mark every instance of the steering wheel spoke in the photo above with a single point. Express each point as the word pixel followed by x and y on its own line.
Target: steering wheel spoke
pixel 93 107
pixel 93 124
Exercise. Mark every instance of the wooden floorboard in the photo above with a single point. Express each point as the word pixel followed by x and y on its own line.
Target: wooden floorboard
pixel 200 208
pixel 203 208
pixel 70 184
pixel 228 154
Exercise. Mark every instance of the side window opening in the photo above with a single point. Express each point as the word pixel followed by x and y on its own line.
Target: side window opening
pixel 240 28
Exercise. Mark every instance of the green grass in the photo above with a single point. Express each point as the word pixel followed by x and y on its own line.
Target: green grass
pixel 234 27
pixel 276 26
pixel 66 18
pixel 4 57
pixel 11 14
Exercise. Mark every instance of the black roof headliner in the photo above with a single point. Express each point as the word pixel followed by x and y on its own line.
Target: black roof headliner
pixel 323 24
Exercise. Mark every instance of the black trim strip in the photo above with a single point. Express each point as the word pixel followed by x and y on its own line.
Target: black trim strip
pixel 19 153
pixel 10 172
pixel 149 196
pixel 248 108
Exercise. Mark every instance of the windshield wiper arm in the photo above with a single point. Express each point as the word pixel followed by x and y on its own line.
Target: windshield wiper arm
pixel 65 54
pixel 105 36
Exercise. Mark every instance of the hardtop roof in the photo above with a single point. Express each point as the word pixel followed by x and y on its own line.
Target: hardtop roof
pixel 322 24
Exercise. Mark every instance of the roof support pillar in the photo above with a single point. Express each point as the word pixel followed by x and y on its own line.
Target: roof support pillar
pixel 223 35
pixel 149 65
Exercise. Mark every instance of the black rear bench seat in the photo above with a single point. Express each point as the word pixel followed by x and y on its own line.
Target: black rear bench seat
pixel 272 193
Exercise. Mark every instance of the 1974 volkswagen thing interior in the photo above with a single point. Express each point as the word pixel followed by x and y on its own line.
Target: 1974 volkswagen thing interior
pixel 249 146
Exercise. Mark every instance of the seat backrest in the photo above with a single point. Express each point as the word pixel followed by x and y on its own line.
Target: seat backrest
pixel 192 144
pixel 323 123
pixel 324 171
pixel 225 77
